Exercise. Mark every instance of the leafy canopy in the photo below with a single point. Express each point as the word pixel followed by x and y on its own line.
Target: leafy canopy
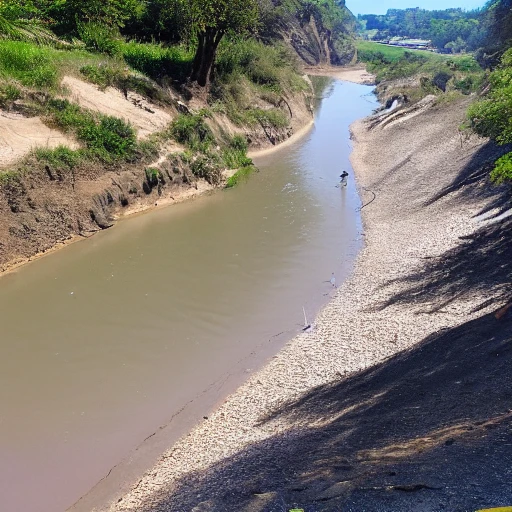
pixel 492 117
pixel 221 15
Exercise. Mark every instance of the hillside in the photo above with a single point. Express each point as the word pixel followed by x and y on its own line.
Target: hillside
pixel 97 124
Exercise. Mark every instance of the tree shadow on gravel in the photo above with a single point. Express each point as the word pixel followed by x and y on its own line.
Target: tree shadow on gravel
pixel 427 430
pixel 480 263
pixel 473 181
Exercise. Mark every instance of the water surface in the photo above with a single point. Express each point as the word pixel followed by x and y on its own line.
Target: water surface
pixel 107 339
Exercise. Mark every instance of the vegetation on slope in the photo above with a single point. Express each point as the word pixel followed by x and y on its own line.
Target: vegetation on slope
pixel 434 73
pixel 147 47
pixel 417 73
pixel 492 116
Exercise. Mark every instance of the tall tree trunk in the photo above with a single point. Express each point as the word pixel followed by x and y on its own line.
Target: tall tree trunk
pixel 204 59
pixel 198 58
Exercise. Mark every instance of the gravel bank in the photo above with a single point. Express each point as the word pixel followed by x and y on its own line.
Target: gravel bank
pixel 250 455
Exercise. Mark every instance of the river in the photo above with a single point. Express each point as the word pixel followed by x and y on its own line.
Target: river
pixel 106 340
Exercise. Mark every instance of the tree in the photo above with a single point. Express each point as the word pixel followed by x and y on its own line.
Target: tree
pixel 209 21
pixel 17 22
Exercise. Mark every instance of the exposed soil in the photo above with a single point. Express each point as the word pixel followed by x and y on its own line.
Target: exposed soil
pixel 19 135
pixel 399 398
pixel 356 74
pixel 145 117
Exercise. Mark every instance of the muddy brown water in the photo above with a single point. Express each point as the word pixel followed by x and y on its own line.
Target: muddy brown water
pixel 106 340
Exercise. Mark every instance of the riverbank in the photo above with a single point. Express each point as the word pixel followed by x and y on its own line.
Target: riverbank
pixel 310 429
pixel 356 74
pixel 41 214
pixel 101 190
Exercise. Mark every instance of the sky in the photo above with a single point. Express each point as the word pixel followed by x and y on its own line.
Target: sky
pixel 381 6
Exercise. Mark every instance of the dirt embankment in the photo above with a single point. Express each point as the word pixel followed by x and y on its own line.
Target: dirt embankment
pixel 399 398
pixel 42 209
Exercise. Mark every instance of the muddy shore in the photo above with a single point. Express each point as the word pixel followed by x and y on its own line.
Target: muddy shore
pixel 348 414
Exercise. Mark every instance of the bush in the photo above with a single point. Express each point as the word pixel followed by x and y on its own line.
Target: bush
pixel 192 131
pixel 9 93
pixel 28 63
pixel 464 85
pixel 102 75
pixel 155 61
pixel 60 157
pixel 68 116
pixel 110 135
pixel 502 169
pixel 100 38
pixel 263 65
pixel 491 117
pixel 207 167
pixel 107 135
pixel 238 143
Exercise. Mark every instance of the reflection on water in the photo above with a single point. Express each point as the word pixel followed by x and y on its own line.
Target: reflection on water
pixel 108 338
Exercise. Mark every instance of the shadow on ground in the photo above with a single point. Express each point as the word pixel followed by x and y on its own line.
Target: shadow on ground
pixel 481 263
pixel 427 430
pixel 473 181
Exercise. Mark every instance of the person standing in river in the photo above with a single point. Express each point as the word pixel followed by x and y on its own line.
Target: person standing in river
pixel 333 280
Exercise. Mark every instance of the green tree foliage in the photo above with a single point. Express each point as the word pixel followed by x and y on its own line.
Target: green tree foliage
pixel 454 29
pixel 20 20
pixel 492 117
pixel 497 23
pixel 209 21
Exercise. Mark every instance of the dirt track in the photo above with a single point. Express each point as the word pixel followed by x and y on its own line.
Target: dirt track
pixel 399 399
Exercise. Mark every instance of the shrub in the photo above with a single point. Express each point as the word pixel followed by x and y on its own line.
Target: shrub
pixel 239 143
pixel 104 76
pixel 502 169
pixel 192 131
pixel 60 157
pixel 28 63
pixel 464 85
pixel 68 116
pixel 205 166
pixel 155 61
pixel 100 38
pixel 9 93
pixel 111 135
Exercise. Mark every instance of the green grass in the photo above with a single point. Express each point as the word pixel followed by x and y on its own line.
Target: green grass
pixel 240 175
pixel 366 51
pixel 156 61
pixel 29 64
pixel 61 157
pixel 248 69
pixel 438 72
pixel 107 138
pixel 192 131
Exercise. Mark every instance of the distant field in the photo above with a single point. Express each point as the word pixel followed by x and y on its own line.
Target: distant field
pixel 393 53
pixel 438 72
